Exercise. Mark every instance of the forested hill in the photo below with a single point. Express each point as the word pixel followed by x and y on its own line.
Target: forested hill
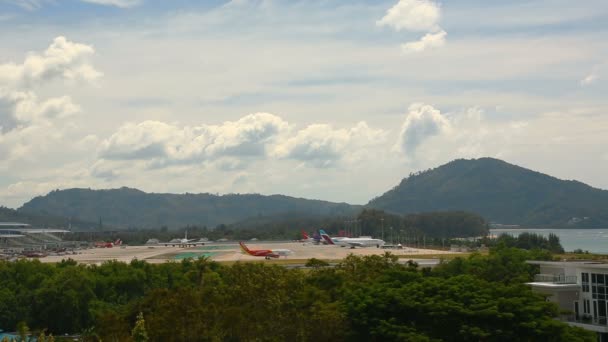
pixel 40 221
pixel 501 193
pixel 127 207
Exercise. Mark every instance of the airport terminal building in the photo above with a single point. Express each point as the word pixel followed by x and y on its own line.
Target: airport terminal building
pixel 21 238
pixel 580 288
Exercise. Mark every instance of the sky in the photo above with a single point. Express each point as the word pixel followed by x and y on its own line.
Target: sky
pixel 321 99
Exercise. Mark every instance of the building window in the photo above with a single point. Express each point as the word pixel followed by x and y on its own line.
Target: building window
pixel 585 282
pixel 594 309
pixel 598 286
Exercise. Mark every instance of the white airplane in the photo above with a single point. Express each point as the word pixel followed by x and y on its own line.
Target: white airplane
pixel 363 241
pixel 185 242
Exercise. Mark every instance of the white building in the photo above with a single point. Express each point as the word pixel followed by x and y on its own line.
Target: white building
pixel 580 288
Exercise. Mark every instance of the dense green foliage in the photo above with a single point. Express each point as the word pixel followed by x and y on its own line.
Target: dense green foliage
pixel 500 192
pixel 126 207
pixel 528 241
pixel 369 222
pixel 371 298
pixel 431 224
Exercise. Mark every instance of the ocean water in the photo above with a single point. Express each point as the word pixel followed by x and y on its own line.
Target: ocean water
pixel 592 240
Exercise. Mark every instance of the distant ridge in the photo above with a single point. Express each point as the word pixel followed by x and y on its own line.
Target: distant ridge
pixel 127 207
pixel 501 193
pixel 41 220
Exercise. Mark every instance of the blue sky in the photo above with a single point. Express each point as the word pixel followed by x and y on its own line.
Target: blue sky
pixel 321 99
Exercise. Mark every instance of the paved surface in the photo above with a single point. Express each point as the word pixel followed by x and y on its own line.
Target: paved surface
pixel 227 252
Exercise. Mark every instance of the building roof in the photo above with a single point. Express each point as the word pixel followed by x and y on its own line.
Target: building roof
pixel 555 285
pixel 577 263
pixel 13 224
pixel 38 230
pixel 3 236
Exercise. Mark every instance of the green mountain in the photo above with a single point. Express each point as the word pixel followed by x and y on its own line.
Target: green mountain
pixel 498 191
pixel 127 207
pixel 40 220
pixel 501 193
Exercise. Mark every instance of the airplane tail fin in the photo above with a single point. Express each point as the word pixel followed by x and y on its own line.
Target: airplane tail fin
pixel 326 237
pixel 304 235
pixel 118 242
pixel 244 248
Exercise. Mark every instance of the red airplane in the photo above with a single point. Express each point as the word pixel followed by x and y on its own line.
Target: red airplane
pixel 266 253
pixel 103 244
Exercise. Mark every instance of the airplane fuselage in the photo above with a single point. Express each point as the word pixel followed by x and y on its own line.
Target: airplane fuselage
pixel 266 253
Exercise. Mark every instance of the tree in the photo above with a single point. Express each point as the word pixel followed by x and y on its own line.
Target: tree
pixel 316 263
pixel 23 330
pixel 139 333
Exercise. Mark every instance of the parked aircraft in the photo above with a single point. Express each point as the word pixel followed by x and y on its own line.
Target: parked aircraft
pixel 316 238
pixel 266 253
pixel 110 244
pixel 363 241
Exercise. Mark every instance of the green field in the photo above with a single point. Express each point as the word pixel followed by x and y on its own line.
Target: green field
pixel 215 248
pixel 194 255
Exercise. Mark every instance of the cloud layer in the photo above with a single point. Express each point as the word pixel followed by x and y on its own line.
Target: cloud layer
pixel 179 78
pixel 32 5
pixel 255 136
pixel 117 3
pixel 168 143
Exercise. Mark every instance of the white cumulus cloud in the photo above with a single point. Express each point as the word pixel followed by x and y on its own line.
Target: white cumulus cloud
pixel 321 145
pixel 430 40
pixel 416 15
pixel 422 122
pixel 589 79
pixel 30 124
pixel 168 143
pixel 258 136
pixel 429 137
pixel 62 59
pixel 24 108
pixel 594 75
pixel 412 15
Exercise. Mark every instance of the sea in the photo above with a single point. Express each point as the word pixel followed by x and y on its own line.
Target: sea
pixel 592 240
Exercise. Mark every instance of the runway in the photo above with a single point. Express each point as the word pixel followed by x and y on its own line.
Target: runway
pixel 230 252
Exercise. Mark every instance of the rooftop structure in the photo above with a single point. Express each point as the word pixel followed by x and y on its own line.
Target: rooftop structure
pixel 13 225
pixel 16 237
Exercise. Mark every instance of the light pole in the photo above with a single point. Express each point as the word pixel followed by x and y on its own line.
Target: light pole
pixel 392 240
pixel 382 223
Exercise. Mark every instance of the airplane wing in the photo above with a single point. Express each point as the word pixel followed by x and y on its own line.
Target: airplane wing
pixel 355 244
